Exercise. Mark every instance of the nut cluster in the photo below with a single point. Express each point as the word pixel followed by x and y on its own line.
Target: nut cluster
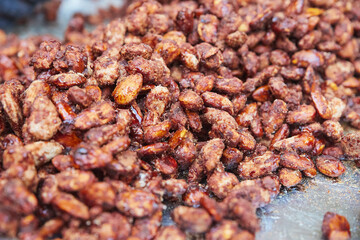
pixel 210 105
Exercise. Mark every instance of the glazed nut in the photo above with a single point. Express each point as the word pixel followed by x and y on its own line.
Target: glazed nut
pixel 195 191
pixel 106 70
pixel 101 135
pixel 343 31
pixel 229 85
pixel 136 203
pixel 79 96
pixel 16 193
pixel 147 227
pixel 67 80
pixel 279 57
pixel 125 166
pixel 215 100
pixel 65 111
pixel 128 89
pixel 156 132
pixel 262 94
pixel 191 100
pixel 153 149
pixel 119 225
pixel 44 57
pixel 177 138
pixel 258 166
pixel 310 40
pixel 186 152
pixel 98 194
pixel 194 119
pixel 273 115
pixel 302 115
pixel 74 180
pixel 334 151
pixel 241 209
pixel 69 204
pixel 216 210
pixel 207 28
pixel 185 20
pixel 183 216
pixel 115 32
pixel 36 88
pixel 49 189
pixel 236 39
pixel 321 104
pixel 333 130
pixel 251 63
pixel 89 156
pixel 177 36
pixel 170 231
pixel 131 50
pixel 168 49
pixel 69 140
pixel 246 140
pixel 117 145
pixel 44 121
pixel 292 72
pixel 166 165
pixel 310 172
pixel 211 153
pixel 307 58
pixel 44 151
pixel 294 161
pixel 247 115
pixel 221 183
pixel 259 21
pixel 330 166
pixel 188 56
pixel 278 88
pixel 239 103
pixel 174 188
pixel 225 228
pixel 303 142
pixel 157 99
pixel 96 115
pixel 289 178
pixel 152 71
pixel 231 158
pixel 63 162
pixel 210 56
pixel 340 71
pixel 335 226
pixel 350 145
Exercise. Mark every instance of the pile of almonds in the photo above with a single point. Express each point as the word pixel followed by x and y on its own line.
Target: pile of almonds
pixel 209 105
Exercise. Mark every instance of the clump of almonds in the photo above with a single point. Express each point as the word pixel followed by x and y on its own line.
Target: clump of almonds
pixel 212 105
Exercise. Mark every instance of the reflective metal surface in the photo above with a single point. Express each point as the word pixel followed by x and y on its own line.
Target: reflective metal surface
pixel 298 214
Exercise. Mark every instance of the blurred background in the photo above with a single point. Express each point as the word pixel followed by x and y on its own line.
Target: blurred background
pixel 34 17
